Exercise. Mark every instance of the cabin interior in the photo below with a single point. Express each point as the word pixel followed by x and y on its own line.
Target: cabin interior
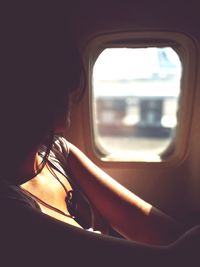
pixel 169 178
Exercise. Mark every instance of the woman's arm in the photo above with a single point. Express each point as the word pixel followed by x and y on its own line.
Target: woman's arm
pixel 128 214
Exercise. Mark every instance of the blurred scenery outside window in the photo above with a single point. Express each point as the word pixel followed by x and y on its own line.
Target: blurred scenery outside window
pixel 135 102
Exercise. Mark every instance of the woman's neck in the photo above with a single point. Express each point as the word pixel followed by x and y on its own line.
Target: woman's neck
pixel 29 167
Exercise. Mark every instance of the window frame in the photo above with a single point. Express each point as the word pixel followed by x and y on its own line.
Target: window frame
pixel 186 50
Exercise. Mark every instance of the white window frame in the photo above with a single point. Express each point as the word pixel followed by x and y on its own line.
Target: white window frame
pixel 185 48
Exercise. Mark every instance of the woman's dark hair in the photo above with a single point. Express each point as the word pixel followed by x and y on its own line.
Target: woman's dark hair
pixel 40 67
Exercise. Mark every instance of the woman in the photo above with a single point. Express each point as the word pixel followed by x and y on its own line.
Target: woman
pixel 54 201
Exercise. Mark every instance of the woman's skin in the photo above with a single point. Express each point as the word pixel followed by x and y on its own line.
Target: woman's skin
pixel 128 214
pixel 48 189
pixel 53 240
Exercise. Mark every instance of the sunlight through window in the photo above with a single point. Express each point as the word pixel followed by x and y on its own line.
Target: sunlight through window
pixel 135 96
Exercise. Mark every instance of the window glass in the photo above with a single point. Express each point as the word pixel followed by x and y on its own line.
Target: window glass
pixel 135 102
